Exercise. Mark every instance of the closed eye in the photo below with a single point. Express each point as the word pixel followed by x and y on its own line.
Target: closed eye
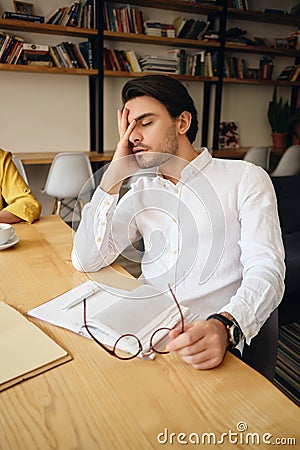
pixel 145 124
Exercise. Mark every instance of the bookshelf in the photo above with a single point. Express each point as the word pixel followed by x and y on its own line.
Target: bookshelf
pixel 220 15
pixel 213 87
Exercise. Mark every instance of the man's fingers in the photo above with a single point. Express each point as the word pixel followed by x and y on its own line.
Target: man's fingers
pixel 191 335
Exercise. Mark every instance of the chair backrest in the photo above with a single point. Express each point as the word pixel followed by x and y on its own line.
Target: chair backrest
pixel 19 165
pixel 70 174
pixel 289 163
pixel 259 156
pixel 261 354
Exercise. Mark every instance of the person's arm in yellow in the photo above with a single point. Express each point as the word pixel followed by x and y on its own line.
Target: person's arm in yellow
pixel 17 202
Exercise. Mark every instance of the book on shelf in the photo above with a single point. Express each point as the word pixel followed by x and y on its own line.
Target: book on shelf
pixel 133 61
pixel 228 135
pixel 36 55
pixel 68 55
pixel 10 48
pixel 79 14
pixel 296 75
pixel 111 313
pixel 20 16
pixel 87 52
pixel 156 28
pixel 25 351
pixel 123 19
pixel 287 72
pixel 189 28
pixel 208 69
pixel 238 4
pixel 157 64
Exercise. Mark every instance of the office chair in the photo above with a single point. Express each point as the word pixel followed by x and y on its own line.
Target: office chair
pixel 69 178
pixel 289 163
pixel 19 165
pixel 259 156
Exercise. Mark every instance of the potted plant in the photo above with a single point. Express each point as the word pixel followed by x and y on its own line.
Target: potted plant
pixel 281 118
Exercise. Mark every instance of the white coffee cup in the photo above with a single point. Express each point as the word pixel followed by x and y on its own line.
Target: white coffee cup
pixel 6 232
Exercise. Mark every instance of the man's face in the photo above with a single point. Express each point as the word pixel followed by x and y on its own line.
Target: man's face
pixel 154 138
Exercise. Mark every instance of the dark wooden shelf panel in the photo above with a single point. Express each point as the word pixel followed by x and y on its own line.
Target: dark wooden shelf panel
pixel 258 16
pixel 229 46
pixel 262 82
pixel 51 70
pixel 157 40
pixel 176 5
pixel 119 74
pixel 44 28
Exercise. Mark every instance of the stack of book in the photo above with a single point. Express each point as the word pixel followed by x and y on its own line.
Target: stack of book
pixel 155 28
pixel 157 64
pixel 125 19
pixel 35 55
pixel 190 28
pixel 79 14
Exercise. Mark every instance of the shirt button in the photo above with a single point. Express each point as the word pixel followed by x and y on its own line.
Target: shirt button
pixel 102 224
pixel 107 203
pixel 99 239
pixel 174 252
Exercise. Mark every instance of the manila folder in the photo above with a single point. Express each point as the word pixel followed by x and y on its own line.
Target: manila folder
pixel 25 350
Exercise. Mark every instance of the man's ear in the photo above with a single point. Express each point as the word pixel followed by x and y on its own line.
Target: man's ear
pixel 184 122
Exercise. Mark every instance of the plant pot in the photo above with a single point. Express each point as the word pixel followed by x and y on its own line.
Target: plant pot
pixel 279 140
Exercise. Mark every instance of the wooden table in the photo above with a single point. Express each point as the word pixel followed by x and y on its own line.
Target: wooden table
pixel 98 402
pixel 34 158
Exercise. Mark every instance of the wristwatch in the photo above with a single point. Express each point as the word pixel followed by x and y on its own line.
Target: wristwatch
pixel 235 334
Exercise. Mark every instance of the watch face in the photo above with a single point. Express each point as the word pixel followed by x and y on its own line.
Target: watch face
pixel 236 335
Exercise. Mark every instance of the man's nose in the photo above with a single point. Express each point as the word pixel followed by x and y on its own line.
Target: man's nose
pixel 135 137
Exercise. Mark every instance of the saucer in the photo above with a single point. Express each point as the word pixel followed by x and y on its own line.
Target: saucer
pixel 14 240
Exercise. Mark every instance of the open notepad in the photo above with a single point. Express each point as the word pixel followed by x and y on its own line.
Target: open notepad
pixel 112 313
pixel 25 350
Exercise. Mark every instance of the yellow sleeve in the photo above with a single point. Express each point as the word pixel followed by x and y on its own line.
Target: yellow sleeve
pixel 16 196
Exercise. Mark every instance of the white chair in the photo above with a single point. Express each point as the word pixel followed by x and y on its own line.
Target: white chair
pixel 259 156
pixel 69 178
pixel 289 163
pixel 19 165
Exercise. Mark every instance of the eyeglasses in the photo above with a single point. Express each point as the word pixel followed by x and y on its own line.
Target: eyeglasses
pixel 133 340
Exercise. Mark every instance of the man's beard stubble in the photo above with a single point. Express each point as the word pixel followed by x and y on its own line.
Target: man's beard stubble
pixel 166 148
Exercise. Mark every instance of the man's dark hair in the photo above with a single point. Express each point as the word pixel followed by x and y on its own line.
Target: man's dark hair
pixel 168 91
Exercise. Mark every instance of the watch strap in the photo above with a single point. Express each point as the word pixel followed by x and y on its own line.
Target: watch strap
pixel 230 324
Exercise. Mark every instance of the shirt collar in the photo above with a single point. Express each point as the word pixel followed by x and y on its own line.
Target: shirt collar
pixel 197 164
pixel 194 167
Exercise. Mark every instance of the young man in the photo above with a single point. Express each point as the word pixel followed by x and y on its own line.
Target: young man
pixel 210 226
pixel 17 202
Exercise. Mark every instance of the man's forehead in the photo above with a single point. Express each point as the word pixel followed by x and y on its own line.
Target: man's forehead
pixel 145 106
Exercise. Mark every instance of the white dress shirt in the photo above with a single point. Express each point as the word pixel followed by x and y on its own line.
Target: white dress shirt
pixel 215 236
